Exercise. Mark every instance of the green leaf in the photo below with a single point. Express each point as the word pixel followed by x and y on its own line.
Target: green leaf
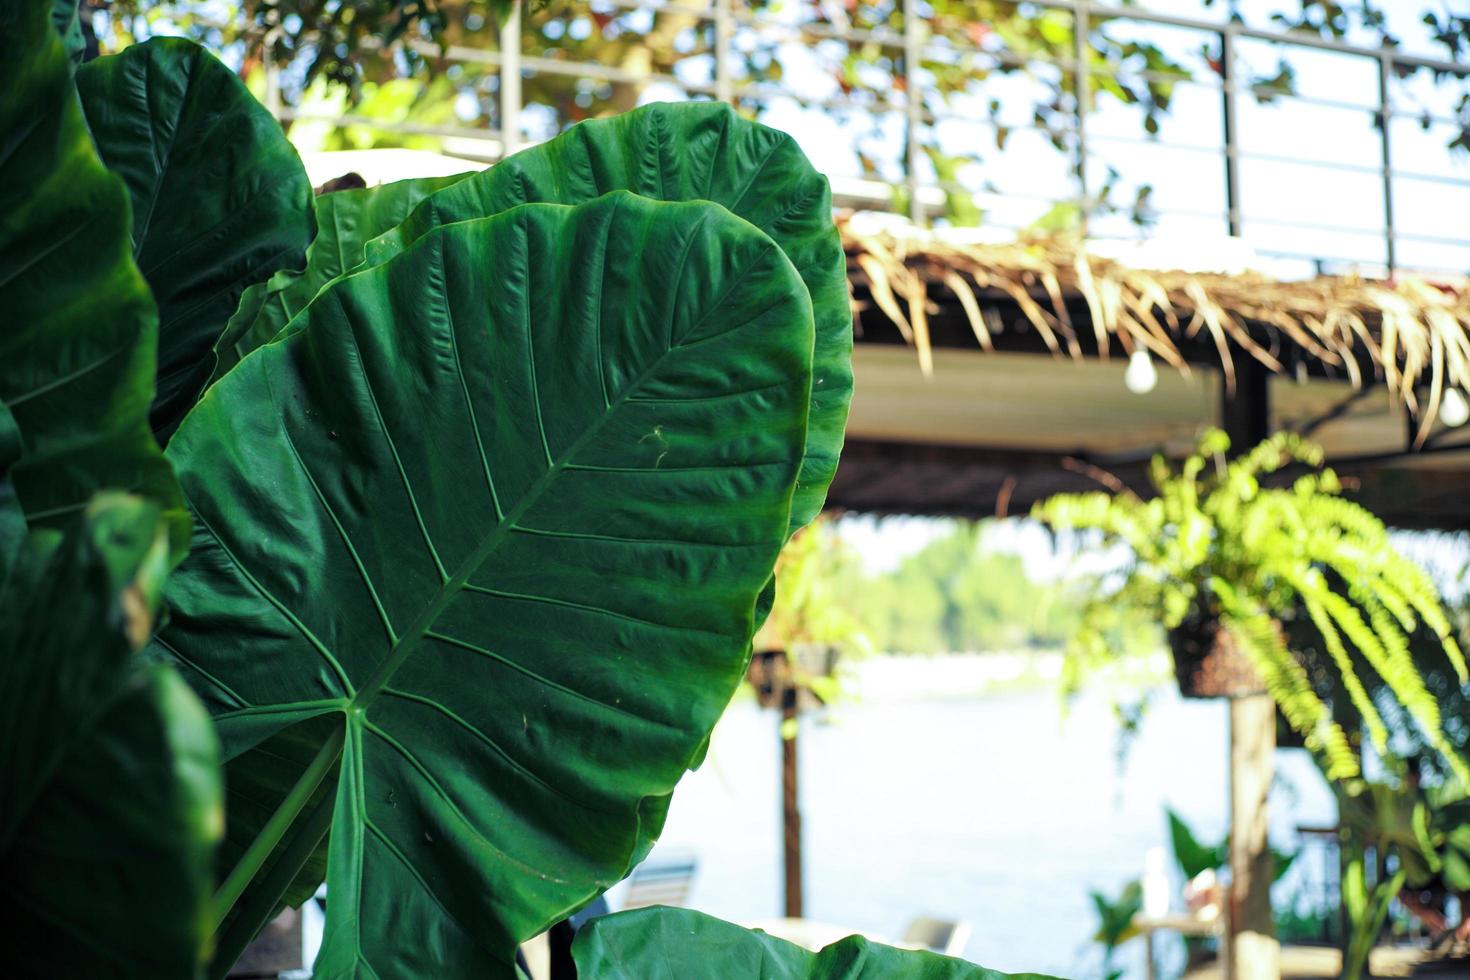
pixel 1115 916
pixel 345 222
pixel 686 152
pixel 109 781
pixel 219 197
pixel 1192 856
pixel 501 508
pixel 80 329
pixel 681 944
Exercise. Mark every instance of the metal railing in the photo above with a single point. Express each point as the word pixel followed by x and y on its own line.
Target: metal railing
pixel 915 40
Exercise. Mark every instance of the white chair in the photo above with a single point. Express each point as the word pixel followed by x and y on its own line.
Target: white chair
pixel 665 883
pixel 947 936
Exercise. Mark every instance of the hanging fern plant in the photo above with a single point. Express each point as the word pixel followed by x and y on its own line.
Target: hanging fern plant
pixel 1222 560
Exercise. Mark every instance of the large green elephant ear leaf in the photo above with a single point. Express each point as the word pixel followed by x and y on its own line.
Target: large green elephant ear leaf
pixel 109 769
pixel 681 944
pixel 499 512
pixel 79 330
pixel 346 221
pixel 698 151
pixel 219 198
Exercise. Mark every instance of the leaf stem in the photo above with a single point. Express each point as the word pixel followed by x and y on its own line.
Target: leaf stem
pixel 256 908
pixel 275 828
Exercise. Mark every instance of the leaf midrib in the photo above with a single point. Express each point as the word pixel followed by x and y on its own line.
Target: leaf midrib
pixel 366 694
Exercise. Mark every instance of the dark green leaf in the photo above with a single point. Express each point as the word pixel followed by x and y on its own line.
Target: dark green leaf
pixel 109 781
pixel 686 152
pixel 1115 916
pixel 345 221
pixel 1192 856
pixel 681 944
pixel 79 329
pixel 502 508
pixel 1281 862
pixel 219 197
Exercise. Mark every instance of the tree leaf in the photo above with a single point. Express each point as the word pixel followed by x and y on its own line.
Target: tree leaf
pixel 109 781
pixel 80 329
pixel 345 221
pixel 502 507
pixel 219 197
pixel 681 944
pixel 1192 856
pixel 685 152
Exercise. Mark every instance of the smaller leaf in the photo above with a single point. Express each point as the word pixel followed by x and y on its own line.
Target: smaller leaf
pixel 681 944
pixel 346 221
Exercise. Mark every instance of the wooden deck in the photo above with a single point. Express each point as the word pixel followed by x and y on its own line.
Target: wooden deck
pixel 1313 962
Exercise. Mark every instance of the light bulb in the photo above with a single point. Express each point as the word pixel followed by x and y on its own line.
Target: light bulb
pixel 1141 376
pixel 1453 410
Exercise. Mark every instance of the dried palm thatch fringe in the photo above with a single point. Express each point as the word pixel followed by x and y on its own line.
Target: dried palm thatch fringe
pixel 1413 330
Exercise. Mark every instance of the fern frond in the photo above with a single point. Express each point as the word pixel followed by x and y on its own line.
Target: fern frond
pixel 1216 540
pixel 1332 640
pixel 1287 683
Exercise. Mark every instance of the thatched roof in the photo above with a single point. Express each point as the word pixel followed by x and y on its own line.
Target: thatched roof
pixel 1408 333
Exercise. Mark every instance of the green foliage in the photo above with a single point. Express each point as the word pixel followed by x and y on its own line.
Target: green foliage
pixel 1367 910
pixel 681 944
pixel 1192 856
pixel 480 542
pixel 1195 857
pixel 77 351
pixel 955 594
pixel 812 606
pixel 691 152
pixel 110 804
pixel 219 199
pixel 345 221
pixel 606 386
pixel 1216 542
pixel 1115 917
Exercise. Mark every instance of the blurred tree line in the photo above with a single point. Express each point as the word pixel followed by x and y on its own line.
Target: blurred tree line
pixel 955 594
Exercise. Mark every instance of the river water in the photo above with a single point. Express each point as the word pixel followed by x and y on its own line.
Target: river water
pixel 992 808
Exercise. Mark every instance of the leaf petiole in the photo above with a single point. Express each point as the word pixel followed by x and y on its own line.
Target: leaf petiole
pixel 275 828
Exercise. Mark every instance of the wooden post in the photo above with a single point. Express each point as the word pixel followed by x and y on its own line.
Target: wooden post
pixel 1254 952
pixel 790 812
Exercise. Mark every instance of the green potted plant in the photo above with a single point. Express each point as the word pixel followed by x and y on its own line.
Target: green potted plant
pixel 1223 555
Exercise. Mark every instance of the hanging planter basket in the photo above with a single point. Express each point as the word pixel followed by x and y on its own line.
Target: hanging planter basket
pixel 1208 661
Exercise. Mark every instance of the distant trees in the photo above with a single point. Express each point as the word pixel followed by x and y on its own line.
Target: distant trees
pixel 956 594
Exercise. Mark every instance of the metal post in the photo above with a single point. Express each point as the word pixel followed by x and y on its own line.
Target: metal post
pixel 914 107
pixel 1232 150
pixel 724 36
pixel 510 80
pixel 1082 87
pixel 1385 72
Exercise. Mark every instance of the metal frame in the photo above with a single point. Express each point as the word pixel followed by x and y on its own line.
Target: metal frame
pixel 916 40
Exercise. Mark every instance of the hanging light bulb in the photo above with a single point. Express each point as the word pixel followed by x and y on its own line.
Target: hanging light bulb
pixel 1453 409
pixel 1141 377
